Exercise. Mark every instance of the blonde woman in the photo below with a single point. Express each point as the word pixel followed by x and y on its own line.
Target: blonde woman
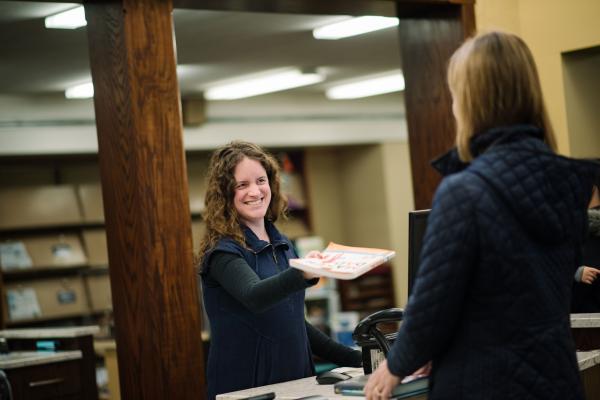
pixel 490 306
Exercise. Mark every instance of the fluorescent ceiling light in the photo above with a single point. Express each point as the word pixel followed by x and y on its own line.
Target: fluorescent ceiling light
pixel 367 87
pixel 274 82
pixel 83 91
pixel 353 27
pixel 70 19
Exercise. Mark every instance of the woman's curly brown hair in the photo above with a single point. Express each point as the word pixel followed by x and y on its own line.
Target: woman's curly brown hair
pixel 220 215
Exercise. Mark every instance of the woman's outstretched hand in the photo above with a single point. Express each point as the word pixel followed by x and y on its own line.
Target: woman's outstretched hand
pixel 312 254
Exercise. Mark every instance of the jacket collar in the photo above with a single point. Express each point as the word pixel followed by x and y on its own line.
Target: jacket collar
pixel 256 244
pixel 450 163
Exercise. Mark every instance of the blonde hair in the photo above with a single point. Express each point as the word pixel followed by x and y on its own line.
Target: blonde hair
pixel 220 215
pixel 494 82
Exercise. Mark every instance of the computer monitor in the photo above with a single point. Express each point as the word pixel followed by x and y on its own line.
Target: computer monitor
pixel 417 222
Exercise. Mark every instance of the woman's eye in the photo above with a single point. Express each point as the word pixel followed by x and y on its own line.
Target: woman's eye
pixel 262 180
pixel 240 185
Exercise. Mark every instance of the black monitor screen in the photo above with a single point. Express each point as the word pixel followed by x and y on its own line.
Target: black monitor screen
pixel 417 222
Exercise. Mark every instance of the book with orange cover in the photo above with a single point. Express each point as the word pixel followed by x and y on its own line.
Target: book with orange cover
pixel 343 262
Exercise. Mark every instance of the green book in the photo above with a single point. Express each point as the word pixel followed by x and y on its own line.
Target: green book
pixel 408 387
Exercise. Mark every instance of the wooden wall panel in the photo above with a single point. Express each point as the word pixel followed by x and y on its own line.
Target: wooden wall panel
pixel 143 172
pixel 327 7
pixel 428 37
pixel 145 193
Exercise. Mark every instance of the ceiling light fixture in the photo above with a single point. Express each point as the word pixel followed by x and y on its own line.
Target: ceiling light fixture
pixel 353 27
pixel 83 91
pixel 367 87
pixel 70 19
pixel 257 85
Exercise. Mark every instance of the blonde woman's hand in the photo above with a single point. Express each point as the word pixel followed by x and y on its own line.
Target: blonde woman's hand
pixel 381 383
pixel 589 275
pixel 425 370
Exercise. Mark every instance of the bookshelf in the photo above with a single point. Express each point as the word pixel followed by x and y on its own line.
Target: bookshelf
pixel 368 293
pixel 51 215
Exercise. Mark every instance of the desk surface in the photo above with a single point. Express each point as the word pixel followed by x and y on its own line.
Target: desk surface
pixel 23 359
pixel 300 388
pixel 45 333
pixel 585 320
pixel 293 389
pixel 309 387
pixel 587 359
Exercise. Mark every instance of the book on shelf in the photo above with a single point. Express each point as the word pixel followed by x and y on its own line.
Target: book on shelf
pixel 22 304
pixel 14 256
pixel 343 262
pixel 410 386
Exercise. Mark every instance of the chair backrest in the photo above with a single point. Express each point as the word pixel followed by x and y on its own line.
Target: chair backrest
pixel 5 390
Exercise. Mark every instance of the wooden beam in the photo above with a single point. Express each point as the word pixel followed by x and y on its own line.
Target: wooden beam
pixel 146 206
pixel 384 8
pixel 428 37
pixel 318 7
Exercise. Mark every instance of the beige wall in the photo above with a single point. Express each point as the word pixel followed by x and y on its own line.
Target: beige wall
pixel 366 217
pixel 399 201
pixel 582 94
pixel 323 173
pixel 498 14
pixel 361 195
pixel 550 27
pixel 347 195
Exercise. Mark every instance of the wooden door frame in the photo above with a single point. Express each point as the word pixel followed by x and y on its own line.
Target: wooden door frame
pixel 143 163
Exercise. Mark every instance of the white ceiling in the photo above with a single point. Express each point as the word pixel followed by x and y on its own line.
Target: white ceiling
pixel 211 46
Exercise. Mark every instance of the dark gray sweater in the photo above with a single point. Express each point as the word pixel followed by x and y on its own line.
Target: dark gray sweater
pixel 233 273
pixel 593 232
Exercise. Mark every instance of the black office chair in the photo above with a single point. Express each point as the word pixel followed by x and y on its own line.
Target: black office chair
pixel 5 390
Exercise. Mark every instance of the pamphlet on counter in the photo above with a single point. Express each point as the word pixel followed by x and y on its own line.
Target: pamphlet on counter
pixel 343 262
pixel 410 386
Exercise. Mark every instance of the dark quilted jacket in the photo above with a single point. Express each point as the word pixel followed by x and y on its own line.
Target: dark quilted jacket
pixel 490 304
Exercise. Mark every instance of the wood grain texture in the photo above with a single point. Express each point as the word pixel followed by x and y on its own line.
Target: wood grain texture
pixel 591 383
pixel 428 37
pixel 4 305
pixel 145 194
pixel 468 20
pixel 343 7
pixel 329 7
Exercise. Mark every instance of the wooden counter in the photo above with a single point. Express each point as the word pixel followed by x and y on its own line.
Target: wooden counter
pixel 24 359
pixel 589 365
pixel 44 375
pixel 61 340
pixel 49 333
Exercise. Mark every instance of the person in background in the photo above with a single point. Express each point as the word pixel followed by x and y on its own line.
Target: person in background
pixel 253 299
pixel 586 290
pixel 490 305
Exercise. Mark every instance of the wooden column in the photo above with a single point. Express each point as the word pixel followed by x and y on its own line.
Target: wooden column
pixel 145 194
pixel 429 34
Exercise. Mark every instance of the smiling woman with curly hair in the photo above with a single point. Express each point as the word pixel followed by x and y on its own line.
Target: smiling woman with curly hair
pixel 220 215
pixel 254 300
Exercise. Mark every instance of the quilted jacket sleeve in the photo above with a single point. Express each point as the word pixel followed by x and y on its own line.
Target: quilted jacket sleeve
pixel 447 258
